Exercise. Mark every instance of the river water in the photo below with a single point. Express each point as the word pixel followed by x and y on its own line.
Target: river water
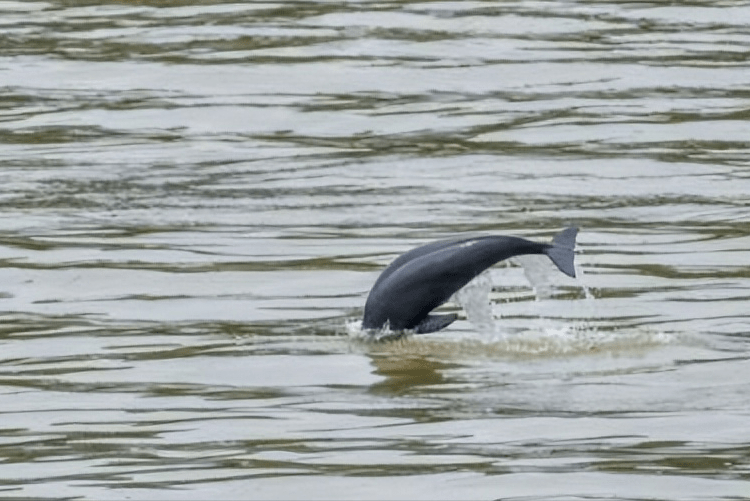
pixel 197 196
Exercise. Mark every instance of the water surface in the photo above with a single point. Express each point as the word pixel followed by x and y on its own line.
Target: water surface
pixel 197 197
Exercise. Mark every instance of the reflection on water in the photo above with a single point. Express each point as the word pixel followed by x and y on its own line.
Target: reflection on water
pixel 405 372
pixel 198 196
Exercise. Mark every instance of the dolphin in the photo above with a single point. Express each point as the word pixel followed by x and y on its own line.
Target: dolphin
pixel 422 279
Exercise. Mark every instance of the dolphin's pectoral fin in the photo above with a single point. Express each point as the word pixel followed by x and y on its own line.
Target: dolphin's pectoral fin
pixel 434 323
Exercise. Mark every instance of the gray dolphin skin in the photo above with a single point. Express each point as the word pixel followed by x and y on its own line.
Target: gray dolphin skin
pixel 422 279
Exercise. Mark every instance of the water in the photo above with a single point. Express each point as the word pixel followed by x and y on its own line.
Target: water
pixel 196 199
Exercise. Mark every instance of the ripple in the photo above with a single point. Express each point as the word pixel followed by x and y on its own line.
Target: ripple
pixel 197 198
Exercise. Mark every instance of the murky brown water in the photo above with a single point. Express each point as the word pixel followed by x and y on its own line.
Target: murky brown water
pixel 196 199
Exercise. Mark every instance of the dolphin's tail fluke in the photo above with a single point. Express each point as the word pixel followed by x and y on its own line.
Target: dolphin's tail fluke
pixel 562 251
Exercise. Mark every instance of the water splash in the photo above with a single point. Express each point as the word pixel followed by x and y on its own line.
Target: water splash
pixel 538 271
pixel 566 341
pixel 356 332
pixel 474 298
pixel 582 280
pixel 543 277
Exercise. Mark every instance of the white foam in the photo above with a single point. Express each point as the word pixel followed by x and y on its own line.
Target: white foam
pixel 355 331
pixel 551 342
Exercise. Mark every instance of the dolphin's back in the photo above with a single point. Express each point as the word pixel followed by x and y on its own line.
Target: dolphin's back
pixel 416 253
